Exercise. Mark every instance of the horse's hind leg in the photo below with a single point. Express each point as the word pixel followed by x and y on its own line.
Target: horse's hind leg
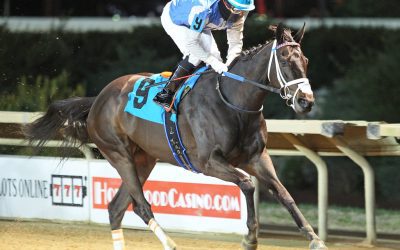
pixel 118 206
pixel 264 170
pixel 120 156
pixel 116 211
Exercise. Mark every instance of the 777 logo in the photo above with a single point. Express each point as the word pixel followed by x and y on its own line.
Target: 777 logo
pixel 68 190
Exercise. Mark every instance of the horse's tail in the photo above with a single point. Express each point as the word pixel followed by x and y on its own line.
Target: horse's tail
pixel 64 120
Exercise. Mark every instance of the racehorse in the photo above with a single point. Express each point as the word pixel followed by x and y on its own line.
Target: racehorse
pixel 221 125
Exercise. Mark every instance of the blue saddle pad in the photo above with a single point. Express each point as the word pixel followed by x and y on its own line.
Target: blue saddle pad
pixel 140 100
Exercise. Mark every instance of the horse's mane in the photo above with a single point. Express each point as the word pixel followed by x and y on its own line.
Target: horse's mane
pixel 249 53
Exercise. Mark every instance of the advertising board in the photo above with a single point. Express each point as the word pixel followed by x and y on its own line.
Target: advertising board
pixel 43 187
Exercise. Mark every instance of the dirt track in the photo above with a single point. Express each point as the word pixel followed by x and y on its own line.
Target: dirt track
pixel 46 235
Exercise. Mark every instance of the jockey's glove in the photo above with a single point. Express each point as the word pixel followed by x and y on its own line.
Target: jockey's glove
pixel 216 64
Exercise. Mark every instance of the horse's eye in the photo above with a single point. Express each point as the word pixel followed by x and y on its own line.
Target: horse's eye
pixel 284 63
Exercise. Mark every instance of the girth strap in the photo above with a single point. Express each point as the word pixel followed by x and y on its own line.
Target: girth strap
pixel 175 143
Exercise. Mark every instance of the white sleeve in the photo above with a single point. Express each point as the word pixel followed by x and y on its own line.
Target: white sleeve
pixel 235 39
pixel 194 47
pixel 196 19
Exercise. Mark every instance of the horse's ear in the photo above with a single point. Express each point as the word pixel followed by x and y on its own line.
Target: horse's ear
pixel 299 35
pixel 272 28
pixel 280 32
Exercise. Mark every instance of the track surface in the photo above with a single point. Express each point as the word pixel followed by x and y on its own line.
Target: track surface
pixel 50 235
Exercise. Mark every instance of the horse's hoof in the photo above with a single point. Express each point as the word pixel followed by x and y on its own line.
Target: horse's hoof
pixel 317 245
pixel 170 245
pixel 246 245
pixel 170 248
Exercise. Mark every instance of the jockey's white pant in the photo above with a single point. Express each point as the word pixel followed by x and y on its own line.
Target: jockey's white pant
pixel 179 35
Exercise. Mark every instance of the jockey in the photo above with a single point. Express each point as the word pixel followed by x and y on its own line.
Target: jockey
pixel 189 23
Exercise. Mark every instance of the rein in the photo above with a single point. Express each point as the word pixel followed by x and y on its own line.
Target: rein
pixel 231 105
pixel 257 84
pixel 179 78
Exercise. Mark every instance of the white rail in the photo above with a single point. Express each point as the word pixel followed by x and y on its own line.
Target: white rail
pixel 76 24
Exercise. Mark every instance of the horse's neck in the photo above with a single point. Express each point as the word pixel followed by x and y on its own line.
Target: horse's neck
pixel 245 95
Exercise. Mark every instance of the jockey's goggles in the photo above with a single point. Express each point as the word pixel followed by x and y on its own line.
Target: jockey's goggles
pixel 231 8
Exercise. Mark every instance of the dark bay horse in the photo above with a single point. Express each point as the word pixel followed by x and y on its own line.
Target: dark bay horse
pixel 222 128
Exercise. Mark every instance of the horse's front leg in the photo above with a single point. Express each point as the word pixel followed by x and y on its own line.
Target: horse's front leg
pixel 264 170
pixel 218 167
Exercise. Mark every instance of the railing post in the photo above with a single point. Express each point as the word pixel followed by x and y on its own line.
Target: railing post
pixel 369 185
pixel 87 152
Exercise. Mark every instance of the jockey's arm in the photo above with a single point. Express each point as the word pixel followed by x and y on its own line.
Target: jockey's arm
pixel 193 38
pixel 194 46
pixel 196 50
pixel 235 39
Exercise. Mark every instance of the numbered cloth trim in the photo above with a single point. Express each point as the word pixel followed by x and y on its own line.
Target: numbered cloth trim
pixel 198 22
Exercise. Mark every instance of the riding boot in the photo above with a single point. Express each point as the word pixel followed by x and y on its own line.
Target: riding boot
pixel 165 97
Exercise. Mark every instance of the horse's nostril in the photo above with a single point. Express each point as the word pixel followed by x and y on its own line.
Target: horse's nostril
pixel 303 103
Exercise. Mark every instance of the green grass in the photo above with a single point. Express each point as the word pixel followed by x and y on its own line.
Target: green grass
pixel 342 218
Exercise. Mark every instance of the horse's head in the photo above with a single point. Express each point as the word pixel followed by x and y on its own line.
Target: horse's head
pixel 287 69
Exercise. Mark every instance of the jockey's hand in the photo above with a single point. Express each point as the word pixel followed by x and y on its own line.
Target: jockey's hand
pixel 216 64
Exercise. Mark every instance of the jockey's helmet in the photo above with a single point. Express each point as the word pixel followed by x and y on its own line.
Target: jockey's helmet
pixel 242 5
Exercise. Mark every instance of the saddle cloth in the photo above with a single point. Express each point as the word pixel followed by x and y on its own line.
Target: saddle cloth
pixel 140 100
pixel 140 104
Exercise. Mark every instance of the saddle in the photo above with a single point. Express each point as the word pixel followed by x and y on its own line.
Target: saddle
pixel 140 104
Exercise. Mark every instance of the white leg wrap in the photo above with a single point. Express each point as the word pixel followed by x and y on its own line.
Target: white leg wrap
pixel 118 239
pixel 165 240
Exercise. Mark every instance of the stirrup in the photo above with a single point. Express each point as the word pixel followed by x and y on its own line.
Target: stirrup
pixel 165 99
pixel 170 107
pixel 162 103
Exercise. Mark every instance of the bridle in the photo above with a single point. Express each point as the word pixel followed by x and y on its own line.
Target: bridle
pixel 303 84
